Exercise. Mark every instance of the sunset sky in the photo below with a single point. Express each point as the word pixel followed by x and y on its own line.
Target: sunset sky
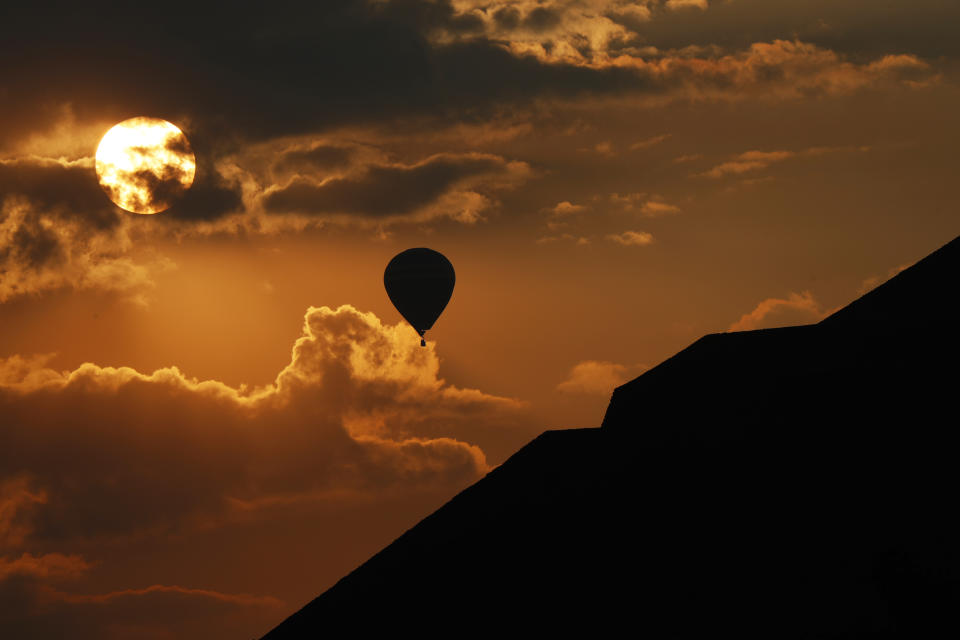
pixel 211 414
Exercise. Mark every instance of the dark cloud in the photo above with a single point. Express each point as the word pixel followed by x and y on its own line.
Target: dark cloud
pixel 423 15
pixel 210 198
pixel 34 245
pixel 59 229
pixel 384 190
pixel 65 191
pixel 176 144
pixel 260 71
pixel 507 17
pixel 154 191
pixel 253 72
pixel 541 19
pixel 319 158
pixel 505 76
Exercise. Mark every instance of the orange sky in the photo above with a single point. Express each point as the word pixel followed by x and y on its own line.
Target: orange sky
pixel 611 180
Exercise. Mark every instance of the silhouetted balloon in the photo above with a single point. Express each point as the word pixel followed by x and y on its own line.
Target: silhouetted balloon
pixel 419 282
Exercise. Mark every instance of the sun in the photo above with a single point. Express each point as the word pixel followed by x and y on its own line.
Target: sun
pixel 145 164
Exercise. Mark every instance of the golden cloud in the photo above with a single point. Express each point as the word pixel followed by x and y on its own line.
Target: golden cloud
pixel 565 208
pixel 98 456
pixel 649 142
pixel 654 208
pixel 580 241
pixel 631 238
pixel 875 281
pixel 756 160
pixel 748 161
pixel 676 5
pixel 797 308
pixel 597 377
pixel 360 407
pixel 572 27
pixel 777 70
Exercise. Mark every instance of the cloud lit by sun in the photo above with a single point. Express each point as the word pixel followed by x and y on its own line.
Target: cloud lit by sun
pixel 145 164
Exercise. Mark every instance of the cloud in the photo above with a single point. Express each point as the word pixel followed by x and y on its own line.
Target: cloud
pixel 677 5
pixel 875 281
pixel 778 70
pixel 627 201
pixel 63 189
pixel 50 565
pixel 858 27
pixel 592 29
pixel 654 208
pixel 750 161
pixel 649 142
pixel 30 606
pixel 320 157
pixel 604 148
pixel 240 599
pixel 580 241
pixel 565 208
pixel 451 185
pixel 359 407
pixel 212 197
pixel 396 60
pixel 648 206
pixel 17 503
pixel 634 13
pixel 613 61
pixel 110 457
pixel 400 68
pixel 402 62
pixel 797 308
pixel 573 29
pixel 597 377
pixel 58 230
pixel 632 238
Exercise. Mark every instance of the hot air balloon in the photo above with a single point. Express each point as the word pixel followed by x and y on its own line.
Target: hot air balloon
pixel 419 282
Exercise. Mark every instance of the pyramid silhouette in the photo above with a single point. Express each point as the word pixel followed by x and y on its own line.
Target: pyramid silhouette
pixel 799 482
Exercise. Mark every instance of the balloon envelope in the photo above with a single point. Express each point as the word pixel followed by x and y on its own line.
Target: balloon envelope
pixel 419 282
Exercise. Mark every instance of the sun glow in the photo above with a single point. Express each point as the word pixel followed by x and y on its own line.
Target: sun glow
pixel 145 164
